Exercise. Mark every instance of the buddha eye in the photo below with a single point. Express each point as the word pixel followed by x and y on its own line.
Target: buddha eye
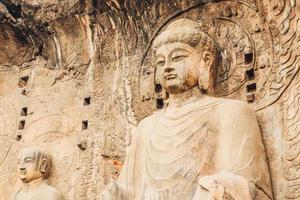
pixel 177 58
pixel 160 63
pixel 28 160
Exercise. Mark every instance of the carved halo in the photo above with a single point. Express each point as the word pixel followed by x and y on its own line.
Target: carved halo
pixel 8 128
pixel 246 48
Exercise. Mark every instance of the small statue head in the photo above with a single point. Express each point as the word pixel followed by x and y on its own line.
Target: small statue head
pixel 33 164
pixel 185 57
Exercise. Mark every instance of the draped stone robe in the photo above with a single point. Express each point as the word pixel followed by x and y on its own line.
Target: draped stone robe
pixel 38 190
pixel 169 154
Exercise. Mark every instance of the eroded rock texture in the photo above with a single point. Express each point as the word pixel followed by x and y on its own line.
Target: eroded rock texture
pixel 76 78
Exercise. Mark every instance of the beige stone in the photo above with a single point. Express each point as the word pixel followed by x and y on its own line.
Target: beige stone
pixel 198 146
pixel 57 54
pixel 34 168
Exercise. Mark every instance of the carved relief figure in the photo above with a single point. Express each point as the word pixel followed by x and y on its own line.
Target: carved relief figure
pixel 34 168
pixel 198 147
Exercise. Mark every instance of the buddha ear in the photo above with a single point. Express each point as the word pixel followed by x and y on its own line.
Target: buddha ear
pixel 205 70
pixel 208 59
pixel 44 165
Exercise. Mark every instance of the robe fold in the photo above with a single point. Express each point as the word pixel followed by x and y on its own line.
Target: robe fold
pixel 170 153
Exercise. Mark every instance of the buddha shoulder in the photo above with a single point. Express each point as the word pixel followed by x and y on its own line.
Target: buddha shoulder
pixel 234 109
pixel 50 193
pixel 148 121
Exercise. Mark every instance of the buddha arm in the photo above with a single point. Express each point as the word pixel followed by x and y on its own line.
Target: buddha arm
pixel 240 159
pixel 240 149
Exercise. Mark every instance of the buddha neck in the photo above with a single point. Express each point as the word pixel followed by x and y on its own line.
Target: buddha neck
pixel 186 97
pixel 32 185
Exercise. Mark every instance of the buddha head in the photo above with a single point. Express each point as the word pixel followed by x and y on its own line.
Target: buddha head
pixel 185 57
pixel 33 164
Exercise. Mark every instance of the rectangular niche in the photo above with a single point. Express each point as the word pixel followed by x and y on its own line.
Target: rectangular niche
pixel 21 125
pixel 87 101
pixel 158 87
pixel 250 97
pixel 85 125
pixel 248 58
pixel 159 103
pixel 24 111
pixel 250 74
pixel 18 137
pixel 23 81
pixel 23 92
pixel 251 87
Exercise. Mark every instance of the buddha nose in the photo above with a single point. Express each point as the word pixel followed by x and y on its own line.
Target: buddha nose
pixel 168 68
pixel 22 169
pixel 21 166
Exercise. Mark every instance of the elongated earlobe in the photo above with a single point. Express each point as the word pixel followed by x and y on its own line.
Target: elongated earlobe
pixel 205 73
pixel 203 81
pixel 44 166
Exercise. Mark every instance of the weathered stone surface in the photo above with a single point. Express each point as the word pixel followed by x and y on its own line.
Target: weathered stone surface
pixel 55 54
pixel 34 167
pixel 197 147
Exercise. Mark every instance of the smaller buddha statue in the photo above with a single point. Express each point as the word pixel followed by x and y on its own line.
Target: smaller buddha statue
pixel 34 168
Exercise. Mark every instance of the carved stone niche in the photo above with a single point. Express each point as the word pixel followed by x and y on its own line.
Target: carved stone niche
pixel 199 146
pixel 259 65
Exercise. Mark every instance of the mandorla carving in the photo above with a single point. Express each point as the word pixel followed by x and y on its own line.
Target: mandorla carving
pixel 284 27
pixel 291 138
pixel 199 147
pixel 285 30
pixel 272 46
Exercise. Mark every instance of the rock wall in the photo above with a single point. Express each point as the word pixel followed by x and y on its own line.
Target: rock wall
pixel 76 78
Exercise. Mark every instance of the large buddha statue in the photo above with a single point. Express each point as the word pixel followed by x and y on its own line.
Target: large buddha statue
pixel 198 147
pixel 34 168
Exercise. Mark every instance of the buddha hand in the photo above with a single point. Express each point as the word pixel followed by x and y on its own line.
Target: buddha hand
pixel 222 186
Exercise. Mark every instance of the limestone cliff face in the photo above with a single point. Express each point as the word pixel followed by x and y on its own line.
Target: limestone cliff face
pixel 55 55
pixel 82 71
pixel 63 32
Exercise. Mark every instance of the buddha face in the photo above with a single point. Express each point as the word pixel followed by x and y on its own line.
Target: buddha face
pixel 28 165
pixel 178 66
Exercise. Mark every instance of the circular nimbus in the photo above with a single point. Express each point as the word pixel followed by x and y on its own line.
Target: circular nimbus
pixel 246 50
pixel 7 128
pixel 61 148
